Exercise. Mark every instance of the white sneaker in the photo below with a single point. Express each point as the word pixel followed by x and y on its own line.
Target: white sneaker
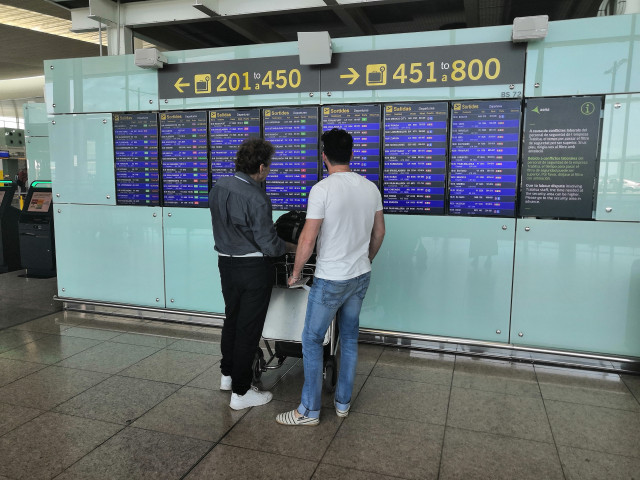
pixel 225 382
pixel 252 398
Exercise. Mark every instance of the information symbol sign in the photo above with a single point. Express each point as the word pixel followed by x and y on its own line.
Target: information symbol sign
pixel 587 108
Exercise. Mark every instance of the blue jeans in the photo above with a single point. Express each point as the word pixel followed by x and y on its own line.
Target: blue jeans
pixel 326 299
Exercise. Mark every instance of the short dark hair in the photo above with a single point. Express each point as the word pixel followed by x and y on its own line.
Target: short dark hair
pixel 252 153
pixel 337 146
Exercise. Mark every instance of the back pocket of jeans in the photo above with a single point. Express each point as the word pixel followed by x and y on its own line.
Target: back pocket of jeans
pixel 332 293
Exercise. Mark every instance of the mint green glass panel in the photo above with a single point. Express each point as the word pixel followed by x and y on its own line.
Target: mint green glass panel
pixel 192 280
pixel 111 254
pixel 619 178
pixel 232 53
pixel 38 159
pixel 587 56
pixel 241 101
pixel 447 276
pixel 423 39
pixel 82 165
pixel 191 264
pixel 577 286
pixel 422 94
pixel 36 122
pixel 99 84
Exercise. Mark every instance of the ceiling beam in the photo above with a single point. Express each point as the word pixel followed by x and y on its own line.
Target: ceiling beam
pixel 252 28
pixel 353 18
pixel 208 7
pixel 104 11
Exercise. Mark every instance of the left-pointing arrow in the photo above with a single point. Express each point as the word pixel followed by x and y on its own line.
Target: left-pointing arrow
pixel 178 85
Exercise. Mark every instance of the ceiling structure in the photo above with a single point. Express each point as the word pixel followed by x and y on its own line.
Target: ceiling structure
pixel 216 23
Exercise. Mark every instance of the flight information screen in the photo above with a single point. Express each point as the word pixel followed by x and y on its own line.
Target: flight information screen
pixel 414 168
pixel 185 171
pixel 227 130
pixel 484 158
pixel 135 138
pixel 294 167
pixel 363 123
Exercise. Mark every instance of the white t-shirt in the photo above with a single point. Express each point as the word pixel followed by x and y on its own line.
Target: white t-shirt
pixel 347 203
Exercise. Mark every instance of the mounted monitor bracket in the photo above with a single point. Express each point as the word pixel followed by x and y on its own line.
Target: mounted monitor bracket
pixel 149 58
pixel 314 48
pixel 530 28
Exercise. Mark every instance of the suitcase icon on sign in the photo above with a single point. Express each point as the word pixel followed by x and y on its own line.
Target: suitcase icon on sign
pixel 203 84
pixel 377 74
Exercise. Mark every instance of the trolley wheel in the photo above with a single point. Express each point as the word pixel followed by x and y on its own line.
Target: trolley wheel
pixel 329 374
pixel 258 365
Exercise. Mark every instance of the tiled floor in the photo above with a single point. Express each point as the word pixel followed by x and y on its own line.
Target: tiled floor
pixel 95 397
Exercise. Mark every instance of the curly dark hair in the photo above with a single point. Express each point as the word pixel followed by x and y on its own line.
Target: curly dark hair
pixel 253 153
pixel 337 146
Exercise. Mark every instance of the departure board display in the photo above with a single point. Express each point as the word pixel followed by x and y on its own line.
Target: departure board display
pixel 294 167
pixel 227 130
pixel 484 158
pixel 135 138
pixel 363 123
pixel 415 158
pixel 183 143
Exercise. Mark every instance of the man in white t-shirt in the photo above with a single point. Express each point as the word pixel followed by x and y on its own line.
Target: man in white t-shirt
pixel 345 215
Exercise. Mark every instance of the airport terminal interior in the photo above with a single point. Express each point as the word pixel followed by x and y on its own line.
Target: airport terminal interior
pixel 500 335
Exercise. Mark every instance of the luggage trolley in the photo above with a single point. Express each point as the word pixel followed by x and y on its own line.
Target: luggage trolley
pixel 285 322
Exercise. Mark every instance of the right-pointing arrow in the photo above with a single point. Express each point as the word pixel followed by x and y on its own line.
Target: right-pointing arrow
pixel 353 76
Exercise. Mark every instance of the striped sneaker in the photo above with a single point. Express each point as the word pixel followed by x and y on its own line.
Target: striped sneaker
pixel 342 413
pixel 289 418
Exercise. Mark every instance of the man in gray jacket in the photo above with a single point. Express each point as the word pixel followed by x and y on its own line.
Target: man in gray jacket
pixel 246 241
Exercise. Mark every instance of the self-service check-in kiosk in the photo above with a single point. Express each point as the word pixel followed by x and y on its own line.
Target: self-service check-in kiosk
pixel 37 245
pixel 9 215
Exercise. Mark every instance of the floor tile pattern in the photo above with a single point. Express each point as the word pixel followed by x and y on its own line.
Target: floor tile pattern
pixel 89 396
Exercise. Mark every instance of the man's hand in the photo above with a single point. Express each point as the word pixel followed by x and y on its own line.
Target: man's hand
pixel 293 279
pixel 306 243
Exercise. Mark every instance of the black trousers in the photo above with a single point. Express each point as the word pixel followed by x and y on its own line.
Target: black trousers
pixel 246 288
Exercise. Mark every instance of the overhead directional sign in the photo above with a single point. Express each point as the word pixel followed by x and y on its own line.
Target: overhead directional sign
pixel 422 67
pixel 251 76
pixel 427 67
